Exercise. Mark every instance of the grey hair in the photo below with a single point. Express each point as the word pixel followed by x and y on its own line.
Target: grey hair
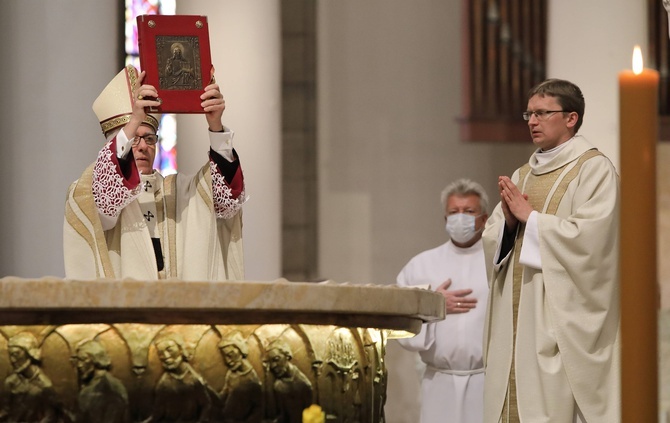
pixel 465 187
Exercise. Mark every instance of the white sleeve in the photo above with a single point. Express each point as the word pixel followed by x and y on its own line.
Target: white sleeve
pixel 107 222
pixel 530 251
pixel 422 341
pixel 109 191
pixel 123 145
pixel 426 337
pixel 222 143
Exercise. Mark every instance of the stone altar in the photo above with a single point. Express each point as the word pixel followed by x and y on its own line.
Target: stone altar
pixel 150 351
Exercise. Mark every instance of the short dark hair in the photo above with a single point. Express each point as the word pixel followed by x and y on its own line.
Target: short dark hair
pixel 568 95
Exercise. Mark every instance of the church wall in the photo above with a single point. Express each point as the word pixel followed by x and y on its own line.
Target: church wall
pixel 389 100
pixel 589 43
pixel 57 57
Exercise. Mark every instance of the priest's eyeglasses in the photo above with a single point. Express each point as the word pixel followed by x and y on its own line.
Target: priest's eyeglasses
pixel 149 139
pixel 540 114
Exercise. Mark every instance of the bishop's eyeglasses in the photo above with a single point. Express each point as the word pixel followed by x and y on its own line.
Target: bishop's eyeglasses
pixel 541 114
pixel 149 139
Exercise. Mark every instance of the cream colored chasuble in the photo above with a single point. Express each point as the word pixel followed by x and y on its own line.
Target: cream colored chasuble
pixel 538 189
pixel 195 244
pixel 552 334
pixel 153 209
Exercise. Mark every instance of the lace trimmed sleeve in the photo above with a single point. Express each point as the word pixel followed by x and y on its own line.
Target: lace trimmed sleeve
pixel 225 206
pixel 111 191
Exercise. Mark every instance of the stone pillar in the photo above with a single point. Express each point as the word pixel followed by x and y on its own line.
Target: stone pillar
pixel 58 56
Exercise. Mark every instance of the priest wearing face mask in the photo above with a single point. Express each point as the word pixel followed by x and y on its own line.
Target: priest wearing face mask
pixel 452 389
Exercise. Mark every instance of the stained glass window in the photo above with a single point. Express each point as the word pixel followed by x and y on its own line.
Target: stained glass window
pixel 166 156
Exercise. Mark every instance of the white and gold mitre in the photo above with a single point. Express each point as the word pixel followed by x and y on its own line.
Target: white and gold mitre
pixel 114 105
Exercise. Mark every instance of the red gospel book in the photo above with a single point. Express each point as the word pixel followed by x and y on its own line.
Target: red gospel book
pixel 174 52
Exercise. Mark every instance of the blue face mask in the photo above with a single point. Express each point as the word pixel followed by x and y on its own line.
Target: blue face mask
pixel 461 227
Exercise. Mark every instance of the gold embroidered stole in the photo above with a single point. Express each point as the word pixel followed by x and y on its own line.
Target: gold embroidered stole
pixel 82 195
pixel 169 224
pixel 167 202
pixel 538 188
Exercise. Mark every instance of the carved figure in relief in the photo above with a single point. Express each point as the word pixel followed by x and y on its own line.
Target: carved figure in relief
pixel 178 69
pixel 181 394
pixel 242 393
pixel 29 393
pixel 292 389
pixel 102 397
pixel 343 374
pixel 376 372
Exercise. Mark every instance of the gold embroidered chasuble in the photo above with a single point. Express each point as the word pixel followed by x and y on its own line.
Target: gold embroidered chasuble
pixel 552 334
pixel 195 244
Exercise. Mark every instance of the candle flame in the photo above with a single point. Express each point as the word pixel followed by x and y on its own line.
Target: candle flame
pixel 637 60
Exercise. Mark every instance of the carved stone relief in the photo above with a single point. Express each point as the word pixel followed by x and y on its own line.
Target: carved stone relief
pixel 165 373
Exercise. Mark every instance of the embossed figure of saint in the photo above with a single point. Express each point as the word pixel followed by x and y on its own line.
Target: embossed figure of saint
pixel 181 394
pixel 102 397
pixel 242 394
pixel 179 70
pixel 30 396
pixel 293 390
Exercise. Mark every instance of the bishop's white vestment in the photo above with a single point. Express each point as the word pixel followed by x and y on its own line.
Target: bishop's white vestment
pixel 552 334
pixel 452 388
pixel 120 224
